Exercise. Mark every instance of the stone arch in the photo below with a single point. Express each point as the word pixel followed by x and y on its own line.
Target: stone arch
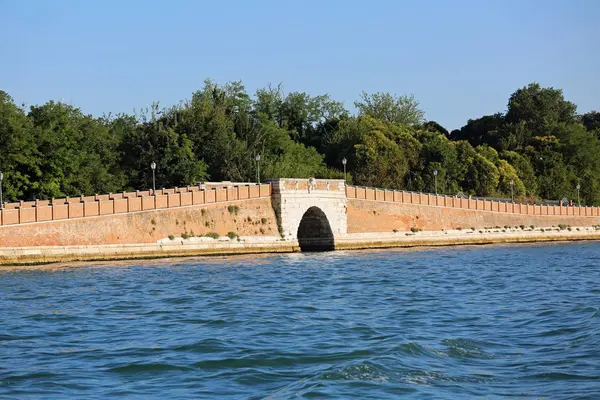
pixel 314 231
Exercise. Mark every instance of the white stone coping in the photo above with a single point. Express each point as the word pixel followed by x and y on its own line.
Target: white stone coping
pixel 492 234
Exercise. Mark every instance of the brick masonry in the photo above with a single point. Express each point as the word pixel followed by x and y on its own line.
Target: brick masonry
pixel 379 216
pixel 261 210
pixel 253 217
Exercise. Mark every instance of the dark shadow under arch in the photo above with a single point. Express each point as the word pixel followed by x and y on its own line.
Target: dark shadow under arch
pixel 314 231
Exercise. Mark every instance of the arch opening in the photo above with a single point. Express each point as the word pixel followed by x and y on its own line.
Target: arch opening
pixel 314 231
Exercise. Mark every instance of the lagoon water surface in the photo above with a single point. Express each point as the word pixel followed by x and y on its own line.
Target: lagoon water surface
pixel 467 322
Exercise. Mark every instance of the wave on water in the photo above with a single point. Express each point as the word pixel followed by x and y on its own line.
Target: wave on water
pixel 479 322
pixel 145 368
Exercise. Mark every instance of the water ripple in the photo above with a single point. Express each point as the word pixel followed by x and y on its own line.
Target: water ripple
pixel 455 323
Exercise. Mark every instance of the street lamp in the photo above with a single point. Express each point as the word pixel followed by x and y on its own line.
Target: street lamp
pixel 435 173
pixel 543 163
pixel 578 202
pixel 1 200
pixel 344 162
pixel 512 193
pixel 258 168
pixel 153 167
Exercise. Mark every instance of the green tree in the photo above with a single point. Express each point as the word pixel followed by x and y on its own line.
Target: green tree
pixel 77 153
pixel 508 173
pixel 177 164
pixel 488 152
pixel 524 170
pixel 480 131
pixel 433 126
pixel 19 159
pixel 591 121
pixel 401 110
pixel 483 176
pixel 379 153
pixel 540 108
pixel 437 153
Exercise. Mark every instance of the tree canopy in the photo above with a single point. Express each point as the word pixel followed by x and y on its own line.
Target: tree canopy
pixel 540 144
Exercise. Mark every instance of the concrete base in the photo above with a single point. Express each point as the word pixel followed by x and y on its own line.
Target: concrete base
pixel 52 254
pixel 182 248
pixel 456 238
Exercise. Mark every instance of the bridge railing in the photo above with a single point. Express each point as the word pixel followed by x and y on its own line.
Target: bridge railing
pixel 119 203
pixel 428 199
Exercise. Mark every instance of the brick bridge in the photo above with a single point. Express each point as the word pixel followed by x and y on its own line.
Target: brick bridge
pixel 312 214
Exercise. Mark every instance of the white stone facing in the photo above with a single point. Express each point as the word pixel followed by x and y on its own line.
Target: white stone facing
pixel 291 203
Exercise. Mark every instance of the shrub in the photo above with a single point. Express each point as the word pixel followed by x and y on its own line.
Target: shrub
pixel 192 234
pixel 543 230
pixel 185 235
pixel 569 229
pixel 233 209
pixel 394 230
pixel 206 224
pixel 480 231
pixel 562 227
pixel 232 235
pixel 415 229
pixel 522 226
pixel 203 212
pixel 472 228
pixel 171 237
pixel 213 235
pixel 263 220
pixel 153 221
pixel 262 231
pixel 459 228
pixel 532 227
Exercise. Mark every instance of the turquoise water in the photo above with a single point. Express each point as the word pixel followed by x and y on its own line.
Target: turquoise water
pixel 453 323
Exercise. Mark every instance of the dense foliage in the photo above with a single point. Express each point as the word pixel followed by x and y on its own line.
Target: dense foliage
pixel 540 144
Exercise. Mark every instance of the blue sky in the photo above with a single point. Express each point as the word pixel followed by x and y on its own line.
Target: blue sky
pixel 461 59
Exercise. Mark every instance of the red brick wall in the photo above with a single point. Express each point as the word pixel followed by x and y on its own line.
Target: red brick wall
pixel 375 216
pixel 142 227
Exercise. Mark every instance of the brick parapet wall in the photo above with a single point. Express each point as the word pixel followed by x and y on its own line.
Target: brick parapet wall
pixel 126 202
pixel 391 196
pixel 251 217
pixel 381 216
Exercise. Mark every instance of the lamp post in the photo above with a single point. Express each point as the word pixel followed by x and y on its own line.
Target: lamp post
pixel 257 168
pixel 543 193
pixel 578 202
pixel 344 162
pixel 1 200
pixel 512 193
pixel 435 173
pixel 153 167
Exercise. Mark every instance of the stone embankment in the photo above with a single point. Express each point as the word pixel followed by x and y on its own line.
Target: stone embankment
pixel 179 247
